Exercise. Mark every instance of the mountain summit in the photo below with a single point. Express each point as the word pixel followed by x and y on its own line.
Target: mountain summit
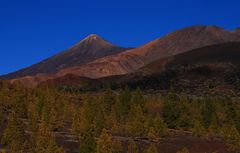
pixel 87 50
pixel 93 45
pixel 93 38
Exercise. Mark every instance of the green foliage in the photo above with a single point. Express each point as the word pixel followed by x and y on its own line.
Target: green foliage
pixel 99 121
pixel 104 143
pixel 123 105
pixel 32 117
pixel 92 115
pixel 137 121
pixel 108 101
pixel 138 99
pixel 87 141
pixel 232 138
pixel 14 135
pixel 159 126
pixel 123 113
pixel 207 113
pixel 45 141
pixel 152 134
pixel 76 122
pixel 213 128
pixel 171 113
pixel 198 129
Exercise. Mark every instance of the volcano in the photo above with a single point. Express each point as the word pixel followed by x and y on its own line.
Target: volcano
pixel 87 50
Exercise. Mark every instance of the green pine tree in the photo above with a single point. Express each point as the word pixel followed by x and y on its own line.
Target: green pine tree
pixel 152 134
pixel 87 141
pixel 108 101
pixel 14 135
pixel 232 138
pixel 159 126
pixel 136 121
pixel 104 143
pixel 45 141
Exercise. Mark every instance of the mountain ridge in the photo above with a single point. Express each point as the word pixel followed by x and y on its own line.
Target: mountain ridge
pixel 212 69
pixel 87 50
pixel 130 60
pixel 174 43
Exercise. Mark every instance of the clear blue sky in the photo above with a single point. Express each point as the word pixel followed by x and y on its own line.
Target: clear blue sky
pixel 31 30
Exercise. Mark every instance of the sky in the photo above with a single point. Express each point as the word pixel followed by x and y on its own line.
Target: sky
pixel 32 30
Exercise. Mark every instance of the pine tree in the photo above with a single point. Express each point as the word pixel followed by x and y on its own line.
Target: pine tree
pixel 152 134
pixel 45 115
pixel 45 141
pixel 172 113
pixel 136 121
pixel 14 135
pixel 207 111
pixel 89 109
pixel 33 124
pixel 159 126
pixel 55 119
pixel 213 128
pixel 198 129
pixel 132 147
pixel 232 138
pixel 99 122
pixel 76 122
pixel 32 117
pixel 104 143
pixel 87 141
pixel 138 99
pixel 108 101
pixel 122 106
pixel 184 150
pixel 151 149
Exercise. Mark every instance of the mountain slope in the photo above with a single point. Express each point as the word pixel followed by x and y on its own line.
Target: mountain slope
pixel 89 49
pixel 175 43
pixel 172 44
pixel 209 69
pixel 216 63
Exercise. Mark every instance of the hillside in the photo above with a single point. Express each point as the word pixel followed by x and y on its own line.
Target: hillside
pixel 172 44
pixel 175 43
pixel 87 50
pixel 212 68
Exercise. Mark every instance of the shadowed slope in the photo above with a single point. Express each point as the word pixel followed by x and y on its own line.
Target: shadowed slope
pixel 209 69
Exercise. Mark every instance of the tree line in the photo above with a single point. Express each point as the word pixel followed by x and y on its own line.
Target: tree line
pixel 30 117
